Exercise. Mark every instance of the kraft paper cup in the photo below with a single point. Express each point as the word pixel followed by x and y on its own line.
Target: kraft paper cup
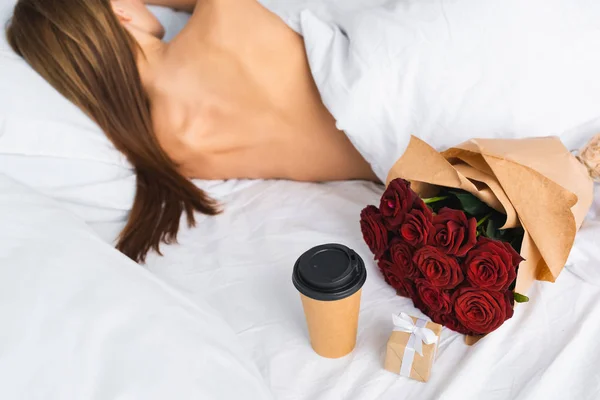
pixel 330 279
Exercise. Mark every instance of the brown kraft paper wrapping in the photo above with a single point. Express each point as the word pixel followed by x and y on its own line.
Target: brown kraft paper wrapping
pixel 421 367
pixel 536 182
pixel 332 325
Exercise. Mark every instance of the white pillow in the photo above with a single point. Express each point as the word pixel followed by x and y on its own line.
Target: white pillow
pixel 172 20
pixel 80 320
pixel 447 71
pixel 49 144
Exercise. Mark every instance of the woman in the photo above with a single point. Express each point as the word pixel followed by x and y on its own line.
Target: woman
pixel 230 97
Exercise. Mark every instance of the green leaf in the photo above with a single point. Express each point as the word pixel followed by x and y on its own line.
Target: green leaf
pixel 491 230
pixel 482 220
pixel 432 200
pixel 471 204
pixel 521 298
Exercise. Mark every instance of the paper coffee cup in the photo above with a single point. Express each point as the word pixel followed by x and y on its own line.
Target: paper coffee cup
pixel 330 278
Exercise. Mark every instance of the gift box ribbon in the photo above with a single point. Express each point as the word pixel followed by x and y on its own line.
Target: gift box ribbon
pixel 418 335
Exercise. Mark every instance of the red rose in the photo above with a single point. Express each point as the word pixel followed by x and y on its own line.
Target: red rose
pixel 374 232
pixel 392 274
pixel 509 301
pixel 396 202
pixel 492 264
pixel 417 227
pixel 481 311
pixel 407 289
pixel 454 232
pixel 393 277
pixel 449 321
pixel 439 269
pixel 419 204
pixel 401 255
pixel 435 299
pixel 383 265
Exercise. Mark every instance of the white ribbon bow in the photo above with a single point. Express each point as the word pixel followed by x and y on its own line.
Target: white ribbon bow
pixel 404 323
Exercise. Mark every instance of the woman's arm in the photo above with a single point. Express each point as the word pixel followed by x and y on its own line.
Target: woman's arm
pixel 184 5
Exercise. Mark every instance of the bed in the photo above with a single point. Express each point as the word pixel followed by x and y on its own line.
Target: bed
pixel 241 264
pixel 217 316
pixel 82 321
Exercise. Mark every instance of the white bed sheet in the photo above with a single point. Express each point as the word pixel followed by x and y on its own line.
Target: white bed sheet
pixel 241 263
pixel 80 321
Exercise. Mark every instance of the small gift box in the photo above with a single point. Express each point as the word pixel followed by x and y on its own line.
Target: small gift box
pixel 412 347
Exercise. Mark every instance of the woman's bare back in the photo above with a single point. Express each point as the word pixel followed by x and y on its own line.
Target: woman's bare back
pixel 235 98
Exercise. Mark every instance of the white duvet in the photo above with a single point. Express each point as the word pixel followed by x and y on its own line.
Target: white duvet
pixel 241 264
pixel 450 70
pixel 80 321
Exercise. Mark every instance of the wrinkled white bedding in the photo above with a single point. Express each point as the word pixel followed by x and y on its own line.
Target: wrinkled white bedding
pixel 241 264
pixel 80 321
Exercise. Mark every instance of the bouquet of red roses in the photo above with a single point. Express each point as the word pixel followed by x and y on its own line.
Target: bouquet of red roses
pixel 448 254
pixel 479 221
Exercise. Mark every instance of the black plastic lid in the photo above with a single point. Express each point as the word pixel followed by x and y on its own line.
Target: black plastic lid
pixel 329 272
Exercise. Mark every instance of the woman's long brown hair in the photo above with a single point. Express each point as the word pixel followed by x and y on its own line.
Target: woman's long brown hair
pixel 81 49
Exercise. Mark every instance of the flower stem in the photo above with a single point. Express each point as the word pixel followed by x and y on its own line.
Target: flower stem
pixel 482 220
pixel 432 200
